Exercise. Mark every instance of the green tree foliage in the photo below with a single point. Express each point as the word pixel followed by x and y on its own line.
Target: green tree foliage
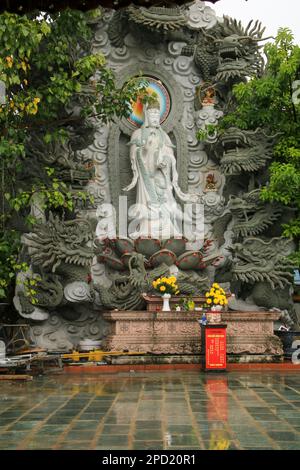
pixel 273 102
pixel 49 70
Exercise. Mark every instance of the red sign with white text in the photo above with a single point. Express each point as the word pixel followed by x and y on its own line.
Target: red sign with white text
pixel 215 344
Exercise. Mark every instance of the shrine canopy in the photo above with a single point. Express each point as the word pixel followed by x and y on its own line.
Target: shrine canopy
pixel 23 6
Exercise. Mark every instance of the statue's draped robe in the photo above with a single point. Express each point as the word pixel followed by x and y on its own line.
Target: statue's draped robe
pixel 156 213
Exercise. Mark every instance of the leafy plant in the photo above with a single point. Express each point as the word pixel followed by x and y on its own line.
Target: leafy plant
pixel 271 102
pixel 188 303
pixel 56 86
pixel 9 266
pixel 30 284
pixel 208 131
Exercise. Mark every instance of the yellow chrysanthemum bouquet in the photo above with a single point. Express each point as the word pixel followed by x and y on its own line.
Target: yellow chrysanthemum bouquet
pixel 166 285
pixel 215 296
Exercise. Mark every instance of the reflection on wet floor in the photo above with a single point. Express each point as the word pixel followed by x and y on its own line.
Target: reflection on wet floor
pixel 168 410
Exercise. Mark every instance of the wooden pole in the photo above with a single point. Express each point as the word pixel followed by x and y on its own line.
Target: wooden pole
pixel 15 377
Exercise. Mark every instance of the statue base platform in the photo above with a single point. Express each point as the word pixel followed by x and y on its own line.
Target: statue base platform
pixel 248 333
pixel 155 302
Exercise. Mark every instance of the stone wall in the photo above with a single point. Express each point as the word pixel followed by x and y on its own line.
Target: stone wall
pixel 179 333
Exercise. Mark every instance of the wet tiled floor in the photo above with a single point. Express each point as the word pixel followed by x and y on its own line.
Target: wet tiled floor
pixel 169 410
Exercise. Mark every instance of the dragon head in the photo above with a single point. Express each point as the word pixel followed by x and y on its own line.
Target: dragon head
pixel 61 241
pixel 238 52
pixel 243 150
pixel 251 215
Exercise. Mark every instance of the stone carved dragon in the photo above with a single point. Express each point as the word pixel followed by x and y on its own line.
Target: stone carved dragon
pixel 251 216
pixel 62 157
pixel 231 54
pixel 58 242
pixel 243 150
pixel 126 290
pixel 247 215
pixel 204 54
pixel 157 18
pixel 49 296
pixel 154 23
pixel 61 254
pixel 257 260
pixel 136 273
pixel 238 50
pixel 264 271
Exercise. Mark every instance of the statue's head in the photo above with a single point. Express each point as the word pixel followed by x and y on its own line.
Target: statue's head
pixel 152 114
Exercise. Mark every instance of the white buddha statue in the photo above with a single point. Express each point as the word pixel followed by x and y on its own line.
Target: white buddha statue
pixel 156 213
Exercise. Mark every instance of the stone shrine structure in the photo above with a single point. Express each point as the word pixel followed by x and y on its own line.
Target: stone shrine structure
pixel 191 60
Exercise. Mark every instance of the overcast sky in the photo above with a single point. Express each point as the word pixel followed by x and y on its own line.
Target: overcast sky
pixel 272 13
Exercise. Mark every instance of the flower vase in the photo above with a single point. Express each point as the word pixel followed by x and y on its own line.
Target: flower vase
pixel 166 304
